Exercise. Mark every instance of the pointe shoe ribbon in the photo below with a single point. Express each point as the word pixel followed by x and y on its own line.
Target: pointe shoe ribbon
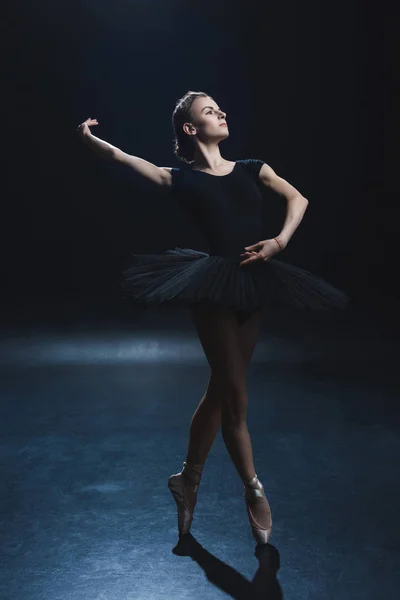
pixel 255 500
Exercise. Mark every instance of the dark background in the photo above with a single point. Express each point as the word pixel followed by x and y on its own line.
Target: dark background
pixel 310 88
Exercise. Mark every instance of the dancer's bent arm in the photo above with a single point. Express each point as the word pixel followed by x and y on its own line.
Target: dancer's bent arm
pixel 296 203
pixel 159 175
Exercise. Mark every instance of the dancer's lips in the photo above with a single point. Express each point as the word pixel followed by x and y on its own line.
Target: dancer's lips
pixel 223 125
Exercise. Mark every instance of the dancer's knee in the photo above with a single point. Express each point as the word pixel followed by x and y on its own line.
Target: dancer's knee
pixel 234 410
pixel 215 390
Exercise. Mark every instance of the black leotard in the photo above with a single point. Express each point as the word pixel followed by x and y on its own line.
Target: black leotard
pixel 226 208
pixel 228 211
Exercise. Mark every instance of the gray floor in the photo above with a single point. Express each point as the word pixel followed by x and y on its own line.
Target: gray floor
pixel 95 409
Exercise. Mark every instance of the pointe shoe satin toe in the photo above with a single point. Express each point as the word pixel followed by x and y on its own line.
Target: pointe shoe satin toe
pixel 183 487
pixel 258 510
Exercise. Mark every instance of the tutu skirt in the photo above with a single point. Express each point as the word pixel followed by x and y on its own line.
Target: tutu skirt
pixel 185 278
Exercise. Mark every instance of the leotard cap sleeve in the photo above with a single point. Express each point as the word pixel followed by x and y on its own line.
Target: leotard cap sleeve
pixel 175 175
pixel 253 165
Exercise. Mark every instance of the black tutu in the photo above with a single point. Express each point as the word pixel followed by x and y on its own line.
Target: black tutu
pixel 185 278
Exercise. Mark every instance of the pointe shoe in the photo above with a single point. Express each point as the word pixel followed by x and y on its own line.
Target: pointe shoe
pixel 183 487
pixel 258 510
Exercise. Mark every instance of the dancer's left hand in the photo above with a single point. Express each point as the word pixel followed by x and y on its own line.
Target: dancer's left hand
pixel 261 251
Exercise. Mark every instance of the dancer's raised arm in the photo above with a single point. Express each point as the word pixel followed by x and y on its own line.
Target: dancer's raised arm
pixel 159 175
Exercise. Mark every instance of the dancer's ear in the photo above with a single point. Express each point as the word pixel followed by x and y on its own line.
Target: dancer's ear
pixel 189 129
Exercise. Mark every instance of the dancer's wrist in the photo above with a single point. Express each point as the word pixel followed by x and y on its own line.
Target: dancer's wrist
pixel 281 242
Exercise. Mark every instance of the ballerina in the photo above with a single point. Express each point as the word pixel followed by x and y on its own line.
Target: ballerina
pixel 227 288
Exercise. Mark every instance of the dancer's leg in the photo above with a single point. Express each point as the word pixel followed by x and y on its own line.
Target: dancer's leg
pixel 228 343
pixel 219 333
pixel 207 417
pixel 220 337
pixel 205 423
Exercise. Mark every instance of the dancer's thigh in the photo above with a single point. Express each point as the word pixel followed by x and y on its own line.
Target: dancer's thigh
pixel 219 334
pixel 248 334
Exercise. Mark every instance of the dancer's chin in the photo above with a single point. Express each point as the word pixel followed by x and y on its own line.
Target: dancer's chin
pixel 225 134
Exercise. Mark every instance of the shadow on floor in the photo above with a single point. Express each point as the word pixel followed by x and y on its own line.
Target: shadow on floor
pixel 264 584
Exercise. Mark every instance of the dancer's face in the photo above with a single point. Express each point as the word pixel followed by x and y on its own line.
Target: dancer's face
pixel 208 121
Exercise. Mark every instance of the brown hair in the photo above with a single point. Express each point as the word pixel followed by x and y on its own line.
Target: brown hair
pixel 183 144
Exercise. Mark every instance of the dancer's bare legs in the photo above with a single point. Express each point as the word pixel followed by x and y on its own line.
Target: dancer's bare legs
pixel 228 347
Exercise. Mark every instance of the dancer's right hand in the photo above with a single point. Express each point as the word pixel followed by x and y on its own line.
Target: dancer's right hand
pixel 83 128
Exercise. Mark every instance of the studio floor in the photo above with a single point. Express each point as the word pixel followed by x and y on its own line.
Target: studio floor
pixel 95 411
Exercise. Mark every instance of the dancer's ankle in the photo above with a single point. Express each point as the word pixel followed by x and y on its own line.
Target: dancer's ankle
pixel 253 482
pixel 192 472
